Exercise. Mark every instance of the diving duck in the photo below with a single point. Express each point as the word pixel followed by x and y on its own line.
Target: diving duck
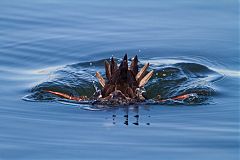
pixel 124 85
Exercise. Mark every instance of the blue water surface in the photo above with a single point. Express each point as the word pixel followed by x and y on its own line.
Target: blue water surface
pixel 38 38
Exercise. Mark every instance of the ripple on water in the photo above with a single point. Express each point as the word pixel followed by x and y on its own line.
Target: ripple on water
pixel 169 80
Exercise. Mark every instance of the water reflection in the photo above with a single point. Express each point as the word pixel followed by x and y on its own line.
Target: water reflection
pixel 130 116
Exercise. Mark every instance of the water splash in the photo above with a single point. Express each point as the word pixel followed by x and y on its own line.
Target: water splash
pixel 169 80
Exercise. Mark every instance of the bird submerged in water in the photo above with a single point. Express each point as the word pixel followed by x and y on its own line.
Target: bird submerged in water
pixel 124 85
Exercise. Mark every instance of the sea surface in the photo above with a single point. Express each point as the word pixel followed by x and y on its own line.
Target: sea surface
pixel 192 46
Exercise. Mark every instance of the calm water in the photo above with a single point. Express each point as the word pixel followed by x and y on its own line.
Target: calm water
pixel 62 43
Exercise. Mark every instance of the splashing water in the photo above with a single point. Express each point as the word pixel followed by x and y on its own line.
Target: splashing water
pixel 169 80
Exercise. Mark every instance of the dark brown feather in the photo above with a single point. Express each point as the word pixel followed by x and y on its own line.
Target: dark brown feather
pixel 113 65
pixel 134 65
pixel 108 70
pixel 123 70
pixel 124 79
